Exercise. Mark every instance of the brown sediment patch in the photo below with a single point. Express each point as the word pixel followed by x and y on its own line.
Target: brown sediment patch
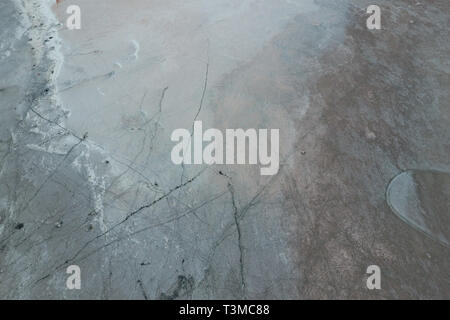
pixel 374 111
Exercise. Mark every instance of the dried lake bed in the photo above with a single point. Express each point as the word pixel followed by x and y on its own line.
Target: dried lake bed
pixel 86 176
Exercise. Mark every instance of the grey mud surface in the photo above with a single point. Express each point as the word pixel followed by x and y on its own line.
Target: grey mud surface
pixel 86 176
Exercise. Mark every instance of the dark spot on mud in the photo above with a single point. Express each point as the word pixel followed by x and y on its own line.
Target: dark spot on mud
pixel 181 288
pixel 19 226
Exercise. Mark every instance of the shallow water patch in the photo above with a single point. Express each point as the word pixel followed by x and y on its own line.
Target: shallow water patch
pixel 421 198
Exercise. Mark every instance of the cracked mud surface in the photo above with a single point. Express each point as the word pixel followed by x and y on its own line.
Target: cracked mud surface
pixel 85 170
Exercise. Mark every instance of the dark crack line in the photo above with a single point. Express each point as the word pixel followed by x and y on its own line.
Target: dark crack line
pixel 57 124
pixel 139 153
pixel 97 145
pixel 128 217
pixel 239 235
pixel 7 153
pixel 162 98
pixel 253 202
pixel 158 118
pixel 203 93
pixel 49 177
pixel 177 217
pixel 74 258
pixel 141 286
pixel 84 81
pixel 205 86
pixel 52 174
pixel 144 127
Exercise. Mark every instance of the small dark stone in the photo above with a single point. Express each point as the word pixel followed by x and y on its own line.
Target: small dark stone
pixel 19 226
